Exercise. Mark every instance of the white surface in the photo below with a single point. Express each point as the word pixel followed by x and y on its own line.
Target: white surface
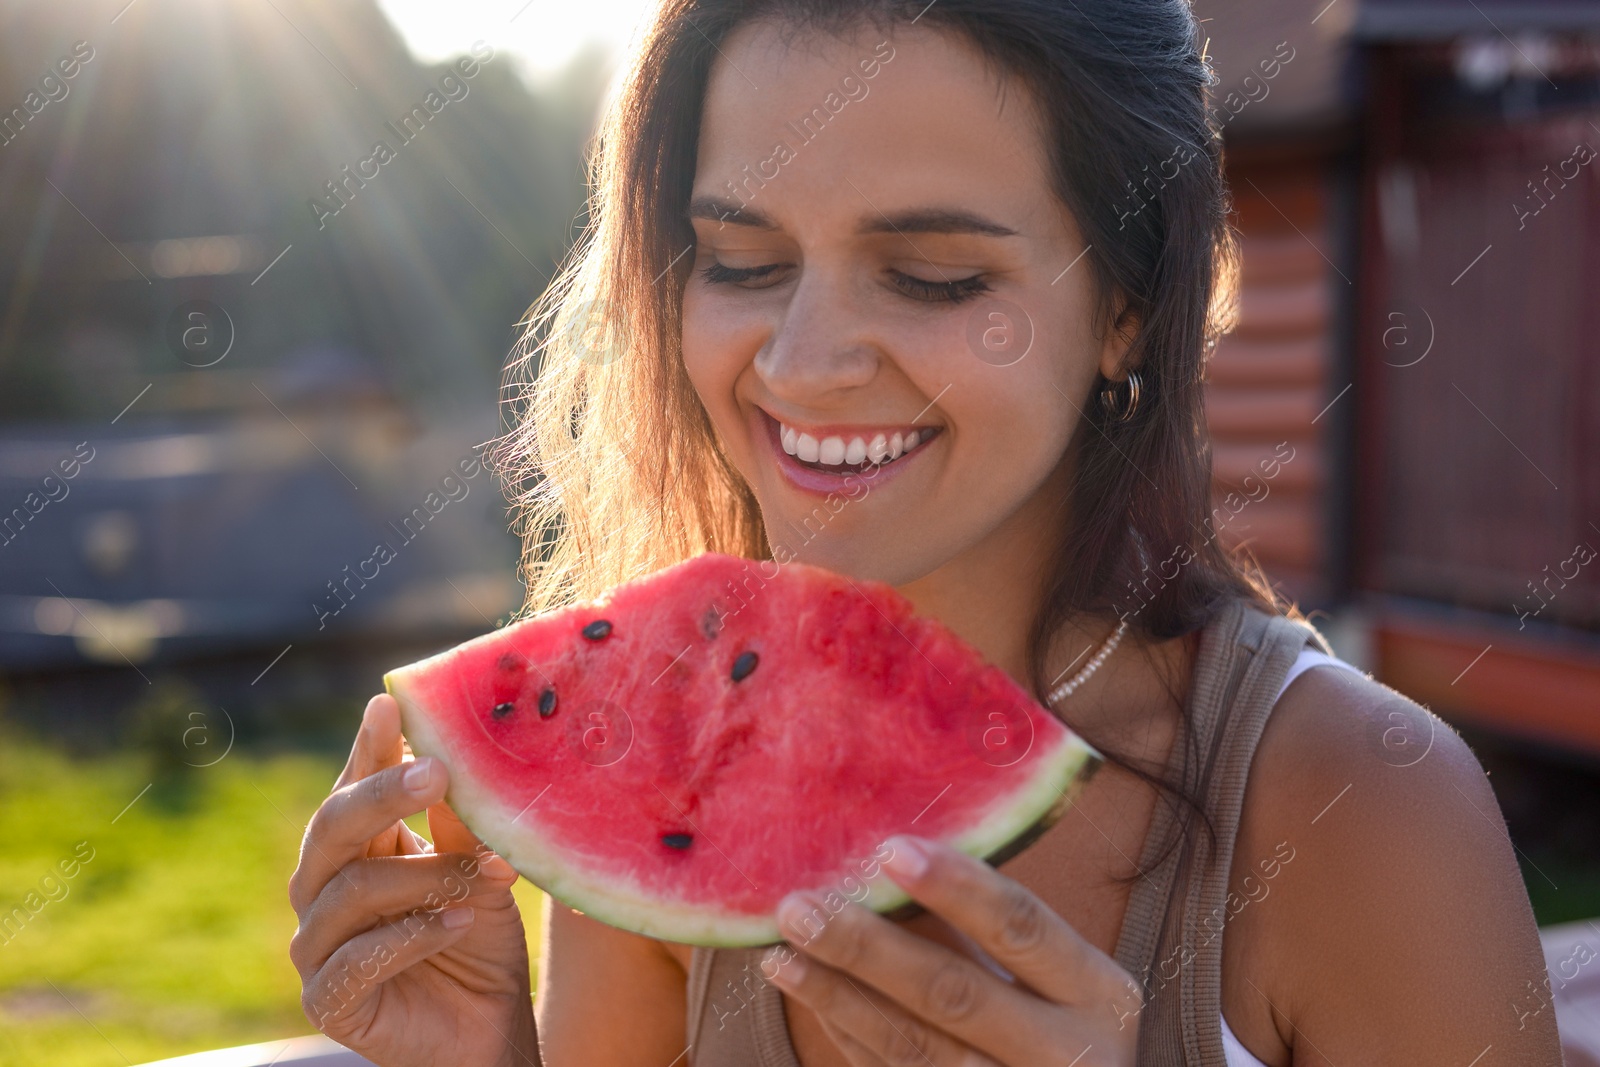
pixel 310 1051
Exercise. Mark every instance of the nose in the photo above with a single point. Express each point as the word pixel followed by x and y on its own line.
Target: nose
pixel 820 347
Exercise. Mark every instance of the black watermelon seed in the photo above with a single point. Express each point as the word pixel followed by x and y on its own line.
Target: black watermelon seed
pixel 598 630
pixel 547 703
pixel 745 665
pixel 711 623
pixel 502 710
pixel 507 661
pixel 678 841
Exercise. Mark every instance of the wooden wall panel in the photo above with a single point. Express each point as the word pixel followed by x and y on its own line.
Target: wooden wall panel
pixel 1269 379
pixel 1483 469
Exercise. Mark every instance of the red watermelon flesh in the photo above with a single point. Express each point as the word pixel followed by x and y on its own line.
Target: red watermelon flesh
pixel 677 755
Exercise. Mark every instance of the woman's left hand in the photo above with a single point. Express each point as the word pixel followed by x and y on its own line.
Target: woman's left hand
pixel 886 995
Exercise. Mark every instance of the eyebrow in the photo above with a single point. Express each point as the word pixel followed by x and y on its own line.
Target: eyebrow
pixel 916 220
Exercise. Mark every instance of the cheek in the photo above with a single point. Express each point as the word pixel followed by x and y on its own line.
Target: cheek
pixel 1012 383
pixel 1013 421
pixel 713 355
pixel 1015 426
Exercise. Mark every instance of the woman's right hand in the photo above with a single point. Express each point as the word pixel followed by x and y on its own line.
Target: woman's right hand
pixel 408 953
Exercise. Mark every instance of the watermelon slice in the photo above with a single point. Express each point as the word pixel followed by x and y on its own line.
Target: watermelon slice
pixel 677 755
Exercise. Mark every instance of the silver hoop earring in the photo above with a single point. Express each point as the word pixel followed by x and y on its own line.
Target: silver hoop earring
pixel 1111 399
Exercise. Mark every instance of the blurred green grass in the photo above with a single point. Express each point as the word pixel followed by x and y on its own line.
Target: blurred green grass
pixel 173 938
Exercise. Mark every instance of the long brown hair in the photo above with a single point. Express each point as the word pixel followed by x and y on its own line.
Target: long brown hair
pixel 611 461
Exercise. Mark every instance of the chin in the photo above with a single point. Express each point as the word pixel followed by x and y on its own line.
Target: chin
pixel 860 546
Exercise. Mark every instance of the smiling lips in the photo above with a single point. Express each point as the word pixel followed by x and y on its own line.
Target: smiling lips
pixel 840 452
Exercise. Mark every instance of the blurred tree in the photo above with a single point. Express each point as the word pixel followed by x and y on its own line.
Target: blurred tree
pixel 224 120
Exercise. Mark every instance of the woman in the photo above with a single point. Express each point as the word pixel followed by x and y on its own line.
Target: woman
pixel 976 250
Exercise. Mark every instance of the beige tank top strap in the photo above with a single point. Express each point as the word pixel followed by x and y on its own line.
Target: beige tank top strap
pixel 1171 938
pixel 735 1016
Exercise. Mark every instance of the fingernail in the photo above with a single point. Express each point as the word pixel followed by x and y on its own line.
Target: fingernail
pixel 775 957
pixel 787 968
pixel 799 913
pixel 456 918
pixel 367 724
pixel 418 775
pixel 495 866
pixel 907 861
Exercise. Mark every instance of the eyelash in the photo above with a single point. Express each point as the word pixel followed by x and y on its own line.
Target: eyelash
pixel 951 292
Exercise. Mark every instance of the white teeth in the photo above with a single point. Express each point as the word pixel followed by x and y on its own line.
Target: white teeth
pixel 835 450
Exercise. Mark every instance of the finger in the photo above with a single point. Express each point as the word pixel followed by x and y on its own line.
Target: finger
pixel 942 987
pixel 881 1030
pixel 371 891
pixel 449 833
pixel 855 1053
pixel 334 998
pixel 1013 925
pixel 377 743
pixel 407 842
pixel 380 744
pixel 340 830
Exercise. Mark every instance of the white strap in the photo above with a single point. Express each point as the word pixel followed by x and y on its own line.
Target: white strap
pixel 1310 657
pixel 1237 1054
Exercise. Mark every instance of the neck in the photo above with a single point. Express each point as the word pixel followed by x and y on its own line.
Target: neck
pixel 990 593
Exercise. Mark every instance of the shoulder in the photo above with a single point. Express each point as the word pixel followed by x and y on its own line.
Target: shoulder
pixel 589 974
pixel 1401 928
pixel 1337 736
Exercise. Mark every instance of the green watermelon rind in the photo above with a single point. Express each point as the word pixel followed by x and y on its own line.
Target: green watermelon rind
pixel 1006 830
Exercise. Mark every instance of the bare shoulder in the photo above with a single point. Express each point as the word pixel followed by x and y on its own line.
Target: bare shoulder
pixel 590 975
pixel 1400 930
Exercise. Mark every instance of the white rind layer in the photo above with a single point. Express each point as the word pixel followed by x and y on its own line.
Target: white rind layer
pixel 515 836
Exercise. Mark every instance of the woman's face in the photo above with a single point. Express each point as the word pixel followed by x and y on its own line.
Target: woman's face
pixel 889 320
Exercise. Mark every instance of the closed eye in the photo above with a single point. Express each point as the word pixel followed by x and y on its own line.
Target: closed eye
pixel 720 274
pixel 952 292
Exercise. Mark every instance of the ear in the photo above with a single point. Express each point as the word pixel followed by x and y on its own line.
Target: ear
pixel 1122 328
